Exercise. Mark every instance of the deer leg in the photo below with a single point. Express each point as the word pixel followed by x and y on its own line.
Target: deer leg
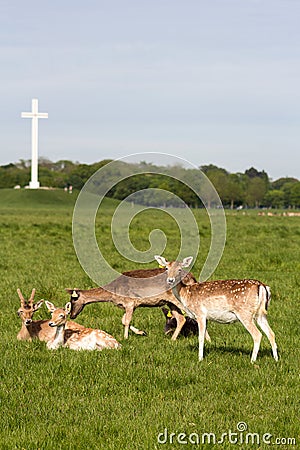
pixel 180 321
pixel 207 336
pixel 263 323
pixel 126 319
pixel 137 331
pixel 201 329
pixel 255 333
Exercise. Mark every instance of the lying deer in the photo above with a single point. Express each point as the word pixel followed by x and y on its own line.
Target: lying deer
pixel 223 301
pixel 79 339
pixel 32 329
pixel 142 287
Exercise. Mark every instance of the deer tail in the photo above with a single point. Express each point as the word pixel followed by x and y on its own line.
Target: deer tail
pixel 264 293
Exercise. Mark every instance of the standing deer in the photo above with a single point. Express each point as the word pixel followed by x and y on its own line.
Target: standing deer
pixel 35 329
pixel 223 301
pixel 133 289
pixel 80 339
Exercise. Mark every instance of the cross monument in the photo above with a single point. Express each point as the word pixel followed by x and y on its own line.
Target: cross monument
pixel 34 115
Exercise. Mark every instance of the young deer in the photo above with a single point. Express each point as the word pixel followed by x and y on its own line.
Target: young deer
pixel 80 339
pixel 223 301
pixel 35 329
pixel 190 326
pixel 142 287
pixel 32 329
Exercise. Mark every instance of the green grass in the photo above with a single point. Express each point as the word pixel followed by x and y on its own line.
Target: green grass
pixel 124 399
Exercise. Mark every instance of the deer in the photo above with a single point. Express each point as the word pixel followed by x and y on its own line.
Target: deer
pixel 223 301
pixel 35 329
pixel 133 289
pixel 76 339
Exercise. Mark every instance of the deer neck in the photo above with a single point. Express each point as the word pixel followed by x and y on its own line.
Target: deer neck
pixel 58 339
pixel 97 295
pixel 178 291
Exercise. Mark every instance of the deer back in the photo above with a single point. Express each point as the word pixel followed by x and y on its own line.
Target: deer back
pixel 222 299
pixel 135 286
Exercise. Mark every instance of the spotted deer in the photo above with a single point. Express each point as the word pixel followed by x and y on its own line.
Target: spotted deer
pixel 133 289
pixel 35 329
pixel 223 301
pixel 78 339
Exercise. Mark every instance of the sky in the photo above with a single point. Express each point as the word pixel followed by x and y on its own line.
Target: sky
pixel 211 81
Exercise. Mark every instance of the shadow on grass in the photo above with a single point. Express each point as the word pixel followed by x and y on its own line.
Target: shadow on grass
pixel 213 349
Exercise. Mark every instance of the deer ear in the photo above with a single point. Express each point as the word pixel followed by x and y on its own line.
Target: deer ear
pixel 50 306
pixel 37 305
pixel 187 261
pixel 161 260
pixel 75 293
pixel 68 308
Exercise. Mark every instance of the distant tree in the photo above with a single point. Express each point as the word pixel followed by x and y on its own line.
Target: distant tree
pixel 46 176
pixel 294 199
pixel 11 176
pixel 44 161
pixel 219 178
pixel 254 173
pixel 280 192
pixel 287 189
pixel 256 186
pixel 275 198
pixel 79 175
pixel 234 190
pixel 279 184
pixel 130 185
pixel 256 191
pixel 252 187
pixel 210 168
pixel 75 181
pixel 23 163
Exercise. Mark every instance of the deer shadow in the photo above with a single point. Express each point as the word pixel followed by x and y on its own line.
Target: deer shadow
pixel 213 348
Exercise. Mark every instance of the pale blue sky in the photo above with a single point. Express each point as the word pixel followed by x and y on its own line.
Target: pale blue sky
pixel 213 81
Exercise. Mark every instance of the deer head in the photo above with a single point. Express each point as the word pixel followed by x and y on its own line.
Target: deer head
pixel 174 268
pixel 59 315
pixel 28 308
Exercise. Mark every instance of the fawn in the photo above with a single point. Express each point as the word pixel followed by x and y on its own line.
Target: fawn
pixel 80 339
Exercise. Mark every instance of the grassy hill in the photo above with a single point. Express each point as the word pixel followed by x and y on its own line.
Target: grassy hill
pixel 42 199
pixel 36 198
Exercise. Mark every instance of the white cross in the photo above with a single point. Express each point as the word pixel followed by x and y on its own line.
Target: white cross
pixel 34 115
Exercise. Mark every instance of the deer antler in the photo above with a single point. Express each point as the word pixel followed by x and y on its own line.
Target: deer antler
pixel 32 296
pixel 21 296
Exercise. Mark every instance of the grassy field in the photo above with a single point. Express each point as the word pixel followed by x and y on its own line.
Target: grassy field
pixel 146 394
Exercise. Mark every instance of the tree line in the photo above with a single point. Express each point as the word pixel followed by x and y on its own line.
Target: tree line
pixel 253 188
